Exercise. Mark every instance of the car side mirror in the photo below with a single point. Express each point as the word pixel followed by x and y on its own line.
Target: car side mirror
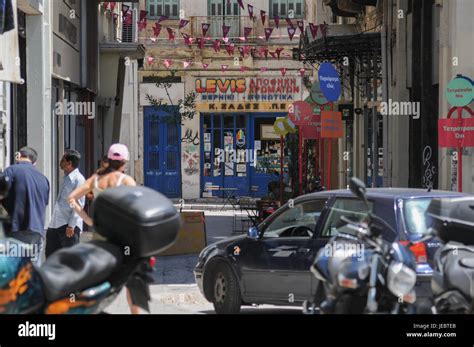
pixel 253 233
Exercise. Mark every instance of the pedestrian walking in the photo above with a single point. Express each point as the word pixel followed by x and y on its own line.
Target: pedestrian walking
pixel 66 225
pixel 26 202
pixel 106 177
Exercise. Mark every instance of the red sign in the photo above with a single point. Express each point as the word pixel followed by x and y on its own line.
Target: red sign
pixel 300 113
pixel 452 133
pixel 331 125
pixel 312 131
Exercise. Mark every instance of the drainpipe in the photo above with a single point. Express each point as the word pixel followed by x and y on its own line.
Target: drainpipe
pixel 387 160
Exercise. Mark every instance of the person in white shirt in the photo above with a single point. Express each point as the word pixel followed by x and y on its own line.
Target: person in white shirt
pixel 66 225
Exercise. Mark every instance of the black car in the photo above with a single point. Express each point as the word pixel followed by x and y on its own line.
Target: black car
pixel 270 265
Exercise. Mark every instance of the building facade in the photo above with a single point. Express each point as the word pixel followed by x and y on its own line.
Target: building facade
pixel 242 81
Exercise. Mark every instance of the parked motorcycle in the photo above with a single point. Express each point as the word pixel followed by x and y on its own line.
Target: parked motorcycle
pixel 361 272
pixel 452 220
pixel 137 223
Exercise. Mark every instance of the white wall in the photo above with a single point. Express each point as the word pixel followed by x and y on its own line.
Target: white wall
pixel 130 114
pixel 39 63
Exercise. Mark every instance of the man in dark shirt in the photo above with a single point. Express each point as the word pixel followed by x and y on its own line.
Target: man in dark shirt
pixel 26 201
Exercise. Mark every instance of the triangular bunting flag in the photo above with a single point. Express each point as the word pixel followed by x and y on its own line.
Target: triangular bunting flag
pixel 162 18
pixel 187 39
pixel 263 69
pixel 230 48
pixel 278 51
pixel 205 28
pixel 272 54
pixel 216 45
pixel 241 4
pixel 283 71
pixel 186 64
pixel 250 8
pixel 247 32
pixel 157 29
pixel 200 41
pixel 224 67
pixel 291 32
pixel 300 24
pixel 314 30
pixel 142 25
pixel 225 30
pixel 171 34
pixel 263 15
pixel 150 60
pixel 290 24
pixel 302 71
pixel 167 63
pixel 268 32
pixel 277 21
pixel 323 28
pixel 183 23
pixel 143 15
pixel 205 65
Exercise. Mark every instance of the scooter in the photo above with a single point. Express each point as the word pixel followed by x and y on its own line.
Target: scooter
pixel 360 271
pixel 137 224
pixel 452 220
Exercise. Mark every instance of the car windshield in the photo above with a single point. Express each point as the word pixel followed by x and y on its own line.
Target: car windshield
pixel 414 215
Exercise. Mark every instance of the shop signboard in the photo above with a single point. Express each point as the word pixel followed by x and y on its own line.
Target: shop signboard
pixel 331 125
pixel 317 95
pixel 453 133
pixel 300 113
pixel 251 94
pixel 460 91
pixel 312 131
pixel 330 81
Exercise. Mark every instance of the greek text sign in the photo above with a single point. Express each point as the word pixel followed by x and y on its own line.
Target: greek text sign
pixel 452 133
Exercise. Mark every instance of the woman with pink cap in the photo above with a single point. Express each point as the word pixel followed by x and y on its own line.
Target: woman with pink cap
pixel 108 176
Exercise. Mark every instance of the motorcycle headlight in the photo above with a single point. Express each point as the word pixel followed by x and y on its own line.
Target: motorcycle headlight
pixel 400 279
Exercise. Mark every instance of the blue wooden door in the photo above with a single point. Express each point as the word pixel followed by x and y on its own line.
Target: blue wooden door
pixel 162 153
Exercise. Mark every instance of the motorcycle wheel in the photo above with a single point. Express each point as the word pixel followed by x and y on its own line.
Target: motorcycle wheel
pixel 348 304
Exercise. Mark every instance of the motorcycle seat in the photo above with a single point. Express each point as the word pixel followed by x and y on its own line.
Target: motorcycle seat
pixel 77 268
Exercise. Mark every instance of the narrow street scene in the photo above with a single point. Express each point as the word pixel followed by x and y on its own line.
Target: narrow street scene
pixel 252 157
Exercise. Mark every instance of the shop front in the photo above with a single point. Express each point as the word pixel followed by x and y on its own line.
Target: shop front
pixel 240 150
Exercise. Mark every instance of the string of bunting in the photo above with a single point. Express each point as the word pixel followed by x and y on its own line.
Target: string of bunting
pixel 127 15
pixel 168 63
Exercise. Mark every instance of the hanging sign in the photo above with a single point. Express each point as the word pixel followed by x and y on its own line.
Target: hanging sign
pixel 300 113
pixel 330 81
pixel 331 125
pixel 460 91
pixel 452 133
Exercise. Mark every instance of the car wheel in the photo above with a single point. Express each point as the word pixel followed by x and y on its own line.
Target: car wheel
pixel 226 293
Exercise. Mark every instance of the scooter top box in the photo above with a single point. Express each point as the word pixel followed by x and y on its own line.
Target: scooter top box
pixel 136 217
pixel 452 219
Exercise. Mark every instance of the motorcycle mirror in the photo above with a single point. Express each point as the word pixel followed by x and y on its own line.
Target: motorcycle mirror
pixel 357 188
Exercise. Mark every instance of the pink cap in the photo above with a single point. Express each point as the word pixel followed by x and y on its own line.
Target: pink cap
pixel 118 152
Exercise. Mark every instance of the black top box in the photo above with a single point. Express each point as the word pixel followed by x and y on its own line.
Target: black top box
pixel 136 217
pixel 452 219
